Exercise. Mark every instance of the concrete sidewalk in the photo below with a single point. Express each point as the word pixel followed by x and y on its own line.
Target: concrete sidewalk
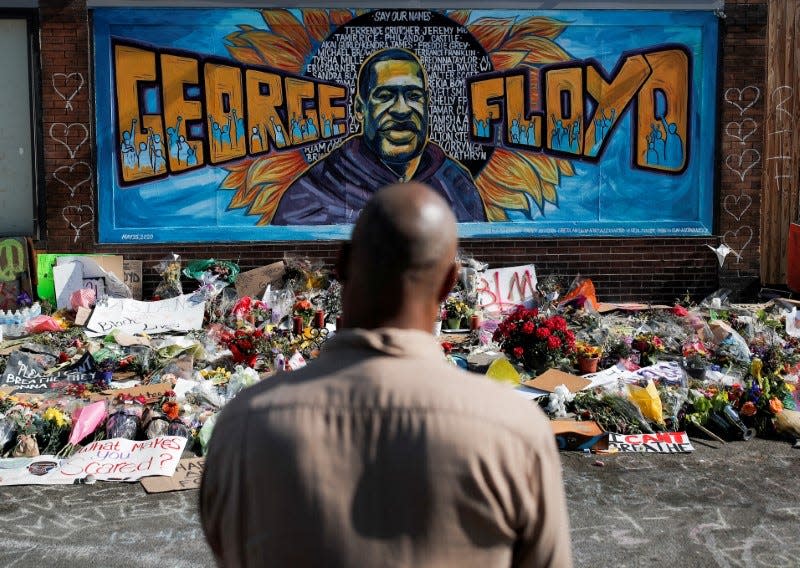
pixel 724 505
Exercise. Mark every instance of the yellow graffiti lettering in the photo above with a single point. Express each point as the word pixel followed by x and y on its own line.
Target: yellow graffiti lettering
pixel 184 149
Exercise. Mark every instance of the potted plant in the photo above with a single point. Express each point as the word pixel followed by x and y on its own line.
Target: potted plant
pixel 588 356
pixel 533 340
pixel 456 310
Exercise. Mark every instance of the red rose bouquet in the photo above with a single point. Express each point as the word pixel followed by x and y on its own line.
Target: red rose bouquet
pixel 534 340
pixel 245 344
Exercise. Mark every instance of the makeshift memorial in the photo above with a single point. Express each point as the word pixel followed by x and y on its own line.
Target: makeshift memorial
pixel 535 341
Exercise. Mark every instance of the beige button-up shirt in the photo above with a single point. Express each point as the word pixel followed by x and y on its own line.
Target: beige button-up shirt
pixel 379 453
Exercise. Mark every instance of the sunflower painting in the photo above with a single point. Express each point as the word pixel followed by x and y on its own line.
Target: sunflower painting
pixel 280 123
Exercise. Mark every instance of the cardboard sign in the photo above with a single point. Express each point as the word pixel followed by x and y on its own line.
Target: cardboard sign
pixel 24 375
pixel 133 316
pixel 503 288
pixel 658 443
pixel 253 282
pixel 188 475
pixel 574 435
pixel 151 393
pixel 133 277
pixel 117 459
pixel 551 378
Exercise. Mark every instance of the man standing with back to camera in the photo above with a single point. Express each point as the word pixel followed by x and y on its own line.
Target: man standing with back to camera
pixel 391 104
pixel 379 453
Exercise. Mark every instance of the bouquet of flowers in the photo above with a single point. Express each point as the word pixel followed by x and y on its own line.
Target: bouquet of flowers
pixel 534 340
pixel 648 345
pixel 303 308
pixel 245 344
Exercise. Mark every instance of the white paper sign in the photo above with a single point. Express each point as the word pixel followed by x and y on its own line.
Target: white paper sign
pixel 658 443
pixel 117 459
pixel 133 316
pixel 503 288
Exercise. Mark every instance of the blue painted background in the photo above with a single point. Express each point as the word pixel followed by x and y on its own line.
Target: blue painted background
pixel 608 198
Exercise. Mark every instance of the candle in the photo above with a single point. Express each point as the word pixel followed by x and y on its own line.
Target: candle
pixel 474 322
pixel 297 325
pixel 319 319
pixel 338 323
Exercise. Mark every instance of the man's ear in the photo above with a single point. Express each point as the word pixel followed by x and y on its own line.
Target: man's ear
pixel 358 109
pixel 449 281
pixel 343 262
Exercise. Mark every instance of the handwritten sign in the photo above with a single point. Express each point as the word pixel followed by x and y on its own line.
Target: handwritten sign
pixel 132 270
pixel 503 288
pixel 253 282
pixel 117 459
pixel 132 316
pixel 658 443
pixel 24 375
pixel 151 393
pixel 188 475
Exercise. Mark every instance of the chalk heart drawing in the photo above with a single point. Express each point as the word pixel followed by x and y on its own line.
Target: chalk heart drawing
pixel 64 175
pixel 741 131
pixel 737 205
pixel 73 214
pixel 737 97
pixel 745 232
pixel 737 168
pixel 67 86
pixel 60 132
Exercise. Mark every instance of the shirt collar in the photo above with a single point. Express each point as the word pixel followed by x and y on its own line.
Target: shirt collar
pixel 388 341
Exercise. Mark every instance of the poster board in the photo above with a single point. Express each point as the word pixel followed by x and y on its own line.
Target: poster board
pixel 178 314
pixel 116 459
pixel 188 475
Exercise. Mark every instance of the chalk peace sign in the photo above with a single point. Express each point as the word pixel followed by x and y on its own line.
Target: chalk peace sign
pixel 12 259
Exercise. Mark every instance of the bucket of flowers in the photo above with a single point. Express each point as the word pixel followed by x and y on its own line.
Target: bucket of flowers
pixel 456 312
pixel 588 356
pixel 535 341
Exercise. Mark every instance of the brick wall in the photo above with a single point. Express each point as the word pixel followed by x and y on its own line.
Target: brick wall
pixel 622 268
pixel 741 138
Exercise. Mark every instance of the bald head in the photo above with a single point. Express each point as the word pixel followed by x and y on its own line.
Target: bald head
pixel 401 253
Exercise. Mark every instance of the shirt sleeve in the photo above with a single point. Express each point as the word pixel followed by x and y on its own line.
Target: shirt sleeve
pixel 222 491
pixel 545 538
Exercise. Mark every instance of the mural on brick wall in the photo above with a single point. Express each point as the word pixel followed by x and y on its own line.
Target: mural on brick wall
pixel 279 124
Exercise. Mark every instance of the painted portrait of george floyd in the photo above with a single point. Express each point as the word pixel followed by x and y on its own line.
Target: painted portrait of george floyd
pixel 392 105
